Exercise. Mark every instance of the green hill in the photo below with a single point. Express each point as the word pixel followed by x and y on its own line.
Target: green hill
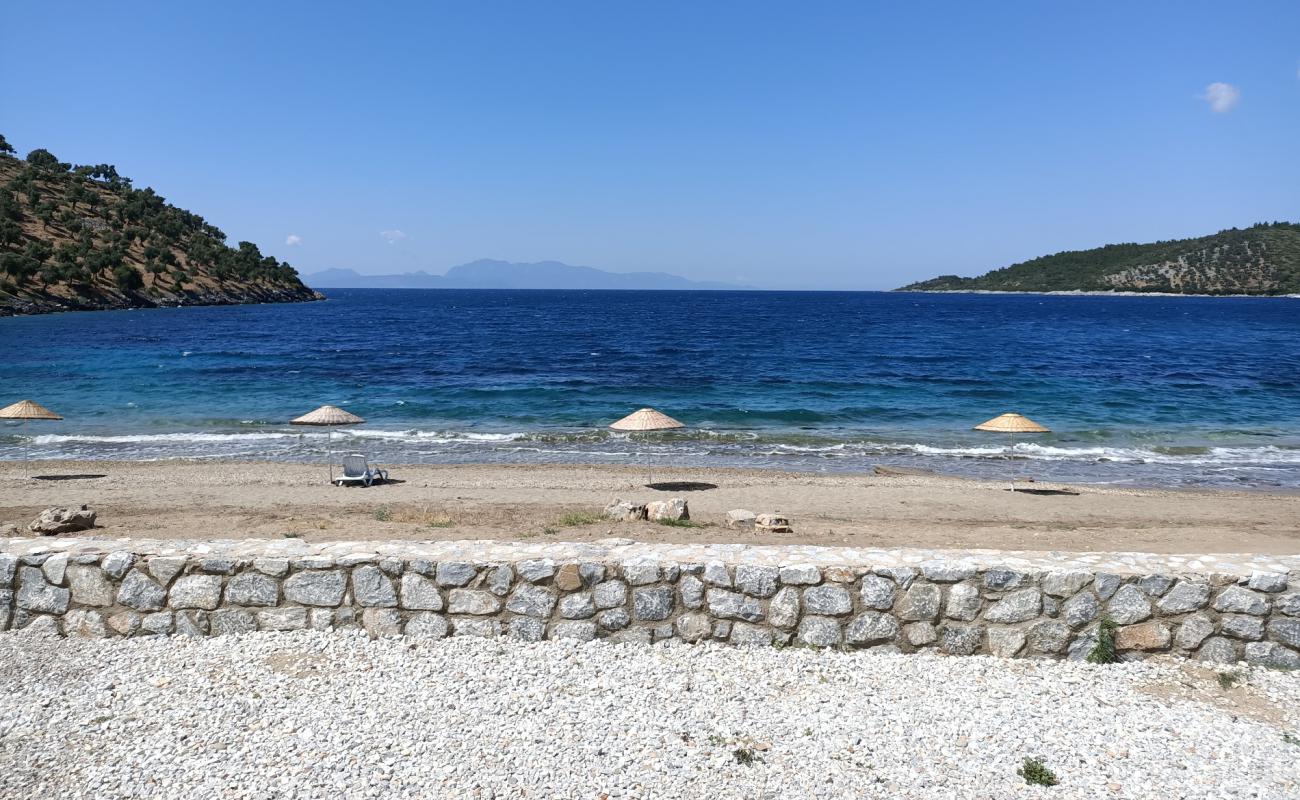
pixel 1263 259
pixel 82 238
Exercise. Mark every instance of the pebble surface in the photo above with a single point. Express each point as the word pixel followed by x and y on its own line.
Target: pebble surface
pixel 311 714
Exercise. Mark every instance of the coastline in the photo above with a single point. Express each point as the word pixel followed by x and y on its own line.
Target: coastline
pixel 1088 293
pixel 247 499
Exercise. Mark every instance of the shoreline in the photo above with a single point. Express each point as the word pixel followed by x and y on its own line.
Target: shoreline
pixel 1092 293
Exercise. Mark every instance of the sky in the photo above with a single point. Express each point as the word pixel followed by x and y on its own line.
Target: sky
pixel 787 145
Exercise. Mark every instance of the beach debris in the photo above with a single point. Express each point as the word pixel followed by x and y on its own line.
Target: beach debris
pixel 740 519
pixel 773 523
pixel 624 511
pixel 672 508
pixel 53 521
pixel 898 472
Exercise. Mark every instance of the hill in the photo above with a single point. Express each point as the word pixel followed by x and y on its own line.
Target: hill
pixel 1263 259
pixel 80 238
pixel 489 274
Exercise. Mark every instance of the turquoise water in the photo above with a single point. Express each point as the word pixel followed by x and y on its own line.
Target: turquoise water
pixel 1139 390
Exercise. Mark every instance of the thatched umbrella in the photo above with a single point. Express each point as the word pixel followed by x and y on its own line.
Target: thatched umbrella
pixel 646 419
pixel 328 417
pixel 25 410
pixel 1011 424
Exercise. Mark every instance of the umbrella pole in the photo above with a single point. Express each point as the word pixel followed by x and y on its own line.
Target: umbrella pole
pixel 329 452
pixel 1011 455
pixel 27 450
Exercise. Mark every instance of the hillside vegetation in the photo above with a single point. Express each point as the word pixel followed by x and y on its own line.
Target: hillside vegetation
pixel 82 238
pixel 1263 259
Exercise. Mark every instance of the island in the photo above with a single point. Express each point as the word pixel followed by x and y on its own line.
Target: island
pixel 81 238
pixel 1263 259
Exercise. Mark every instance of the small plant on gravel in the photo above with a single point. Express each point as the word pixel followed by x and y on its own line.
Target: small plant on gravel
pixel 1227 680
pixel 746 756
pixel 576 519
pixel 292 535
pixel 715 740
pixel 679 523
pixel 549 531
pixel 1291 738
pixel 383 514
pixel 1104 651
pixel 1036 773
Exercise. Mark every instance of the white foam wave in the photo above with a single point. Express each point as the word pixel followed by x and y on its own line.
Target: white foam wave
pixel 1269 455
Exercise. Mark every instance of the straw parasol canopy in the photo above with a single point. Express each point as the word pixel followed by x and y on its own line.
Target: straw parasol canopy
pixel 646 419
pixel 330 417
pixel 25 410
pixel 1011 423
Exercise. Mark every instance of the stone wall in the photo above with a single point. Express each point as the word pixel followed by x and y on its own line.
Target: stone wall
pixel 771 596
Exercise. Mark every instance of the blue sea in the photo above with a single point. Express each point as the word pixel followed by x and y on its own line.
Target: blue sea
pixel 1150 391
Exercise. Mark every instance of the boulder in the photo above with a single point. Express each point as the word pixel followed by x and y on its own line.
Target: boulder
pixel 623 511
pixel 54 521
pixel 740 520
pixel 772 523
pixel 672 509
pixel 8 529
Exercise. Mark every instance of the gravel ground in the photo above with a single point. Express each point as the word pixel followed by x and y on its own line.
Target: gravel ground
pixel 338 715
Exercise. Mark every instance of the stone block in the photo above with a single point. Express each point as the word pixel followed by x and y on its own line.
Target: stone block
pixel 322 588
pixel 1129 605
pixel 963 602
pixel 609 594
pixel 580 606
pixel 418 593
pixel 877 592
pixel 817 631
pixel 655 603
pixel 38 595
pixel 1236 600
pixel 1185 597
pixel 284 618
pixel 89 586
pixel 757 581
pixel 473 601
pixel 827 600
pixel 372 588
pixel 426 625
pixel 196 591
pixel 1018 606
pixel 252 589
pixel 455 573
pixel 919 603
pixel 871 628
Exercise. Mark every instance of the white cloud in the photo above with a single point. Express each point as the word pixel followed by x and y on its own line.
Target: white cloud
pixel 293 239
pixel 1222 97
pixel 392 237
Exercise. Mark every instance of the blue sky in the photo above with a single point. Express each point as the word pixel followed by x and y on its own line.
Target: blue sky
pixel 796 145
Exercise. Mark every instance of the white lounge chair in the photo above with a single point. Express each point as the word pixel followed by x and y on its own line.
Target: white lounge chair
pixel 357 470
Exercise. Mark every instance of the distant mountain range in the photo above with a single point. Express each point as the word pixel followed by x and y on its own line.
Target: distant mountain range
pixel 489 274
pixel 1263 259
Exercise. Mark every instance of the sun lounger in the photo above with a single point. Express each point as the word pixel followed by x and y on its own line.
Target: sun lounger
pixel 357 470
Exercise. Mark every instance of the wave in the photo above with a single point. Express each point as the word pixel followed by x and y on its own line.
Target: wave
pixel 714 442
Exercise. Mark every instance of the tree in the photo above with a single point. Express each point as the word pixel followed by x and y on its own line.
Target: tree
pixel 127 277
pixel 5 148
pixel 44 159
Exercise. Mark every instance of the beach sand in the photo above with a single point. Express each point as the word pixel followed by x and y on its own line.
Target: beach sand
pixel 242 499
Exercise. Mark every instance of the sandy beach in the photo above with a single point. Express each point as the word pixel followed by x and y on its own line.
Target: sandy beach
pixel 239 499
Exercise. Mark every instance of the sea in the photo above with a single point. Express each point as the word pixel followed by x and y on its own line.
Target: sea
pixel 1142 391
